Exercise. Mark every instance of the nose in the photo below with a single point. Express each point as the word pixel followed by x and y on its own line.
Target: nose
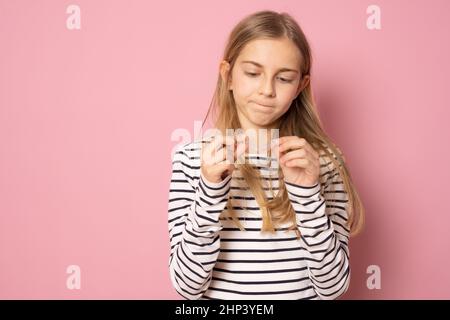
pixel 266 87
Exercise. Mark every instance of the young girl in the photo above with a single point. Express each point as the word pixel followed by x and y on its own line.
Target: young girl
pixel 252 230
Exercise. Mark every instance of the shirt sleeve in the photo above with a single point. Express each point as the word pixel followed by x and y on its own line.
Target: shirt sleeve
pixel 321 219
pixel 194 226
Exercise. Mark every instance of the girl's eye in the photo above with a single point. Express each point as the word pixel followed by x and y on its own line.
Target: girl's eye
pixel 286 80
pixel 251 74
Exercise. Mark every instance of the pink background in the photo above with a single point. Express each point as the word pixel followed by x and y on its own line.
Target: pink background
pixel 86 118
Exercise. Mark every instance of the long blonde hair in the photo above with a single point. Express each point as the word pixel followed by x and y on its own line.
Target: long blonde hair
pixel 272 25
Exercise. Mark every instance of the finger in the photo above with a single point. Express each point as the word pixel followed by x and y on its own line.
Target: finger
pixel 217 143
pixel 307 161
pixel 312 151
pixel 294 143
pixel 212 158
pixel 298 162
pixel 206 152
pixel 224 155
pixel 299 153
pixel 284 142
pixel 229 148
pixel 225 150
pixel 209 144
pixel 298 143
pixel 224 165
pixel 227 142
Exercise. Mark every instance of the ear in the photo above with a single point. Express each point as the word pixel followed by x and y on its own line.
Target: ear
pixel 302 85
pixel 225 72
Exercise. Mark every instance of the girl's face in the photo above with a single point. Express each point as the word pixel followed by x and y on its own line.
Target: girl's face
pixel 265 79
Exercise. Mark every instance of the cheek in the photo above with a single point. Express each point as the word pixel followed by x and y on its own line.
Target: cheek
pixel 285 96
pixel 287 92
pixel 246 87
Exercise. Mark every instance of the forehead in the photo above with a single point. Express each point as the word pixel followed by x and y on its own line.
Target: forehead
pixel 272 53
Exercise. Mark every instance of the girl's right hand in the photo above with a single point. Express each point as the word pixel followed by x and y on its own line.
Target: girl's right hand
pixel 215 166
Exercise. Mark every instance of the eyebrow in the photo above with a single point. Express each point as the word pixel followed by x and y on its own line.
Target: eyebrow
pixel 261 66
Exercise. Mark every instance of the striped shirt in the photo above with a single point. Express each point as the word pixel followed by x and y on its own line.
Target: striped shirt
pixel 211 258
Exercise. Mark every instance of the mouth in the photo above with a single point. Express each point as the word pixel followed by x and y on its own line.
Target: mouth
pixel 262 105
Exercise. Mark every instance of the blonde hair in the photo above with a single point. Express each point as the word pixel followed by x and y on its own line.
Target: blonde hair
pixel 272 25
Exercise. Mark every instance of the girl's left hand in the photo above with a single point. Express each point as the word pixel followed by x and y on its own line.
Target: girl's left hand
pixel 298 160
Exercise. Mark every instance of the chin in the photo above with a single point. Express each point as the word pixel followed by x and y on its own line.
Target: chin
pixel 263 123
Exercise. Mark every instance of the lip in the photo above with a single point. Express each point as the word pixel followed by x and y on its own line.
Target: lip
pixel 263 105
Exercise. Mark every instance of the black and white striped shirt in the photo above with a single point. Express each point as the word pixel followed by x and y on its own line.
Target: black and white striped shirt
pixel 211 258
